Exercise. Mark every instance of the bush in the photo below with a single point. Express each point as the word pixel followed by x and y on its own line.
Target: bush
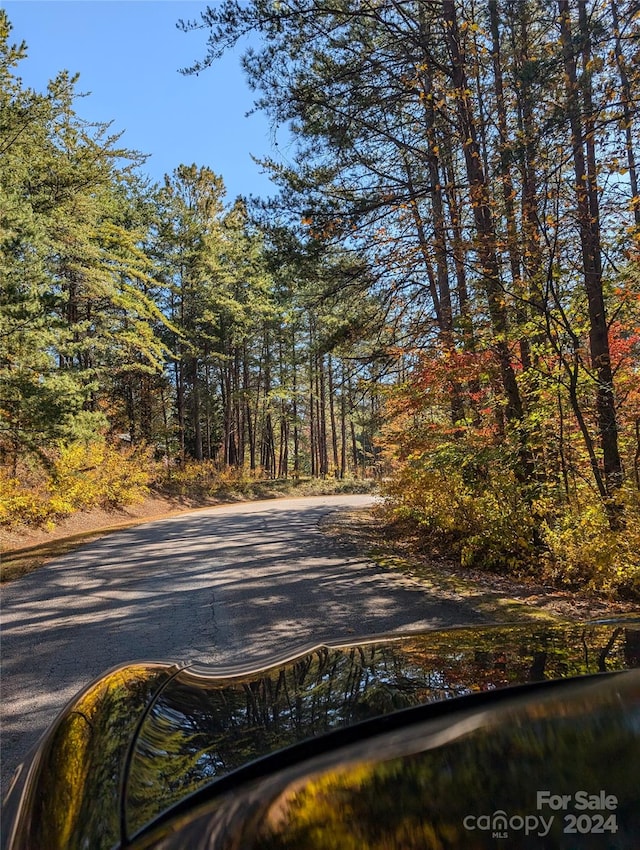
pixel 469 505
pixel 202 479
pixel 90 474
pixel 583 551
pixel 463 510
pixel 81 475
pixel 199 479
pixel 22 506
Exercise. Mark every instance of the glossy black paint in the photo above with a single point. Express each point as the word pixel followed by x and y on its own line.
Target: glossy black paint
pixel 200 728
pixel 145 738
pixel 70 794
pixel 469 778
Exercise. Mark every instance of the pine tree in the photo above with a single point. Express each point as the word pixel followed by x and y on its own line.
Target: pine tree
pixel 75 280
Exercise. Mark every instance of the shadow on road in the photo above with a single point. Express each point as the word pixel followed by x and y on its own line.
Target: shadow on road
pixel 237 584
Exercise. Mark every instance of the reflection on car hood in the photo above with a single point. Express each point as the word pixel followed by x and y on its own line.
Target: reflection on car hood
pixel 69 795
pixel 551 765
pixel 154 734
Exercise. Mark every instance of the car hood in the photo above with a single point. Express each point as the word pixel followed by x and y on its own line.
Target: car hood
pixel 145 737
pixel 550 764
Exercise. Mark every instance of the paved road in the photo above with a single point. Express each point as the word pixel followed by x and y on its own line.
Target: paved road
pixel 221 586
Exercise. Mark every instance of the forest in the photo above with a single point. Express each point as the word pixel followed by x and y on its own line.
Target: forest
pixel 444 295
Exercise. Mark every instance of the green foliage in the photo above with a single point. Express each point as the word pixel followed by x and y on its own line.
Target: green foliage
pixel 161 314
pixel 510 299
pixel 76 310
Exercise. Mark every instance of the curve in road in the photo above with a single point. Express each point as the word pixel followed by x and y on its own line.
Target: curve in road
pixel 228 585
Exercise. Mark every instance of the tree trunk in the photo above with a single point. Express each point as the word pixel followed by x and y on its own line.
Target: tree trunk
pixel 486 237
pixel 589 226
pixel 508 193
pixel 343 426
pixel 629 114
pixel 246 392
pixel 332 418
pixel 294 411
pixel 322 420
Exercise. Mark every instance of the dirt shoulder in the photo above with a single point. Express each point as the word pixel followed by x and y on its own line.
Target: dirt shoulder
pixel 25 549
pixel 502 597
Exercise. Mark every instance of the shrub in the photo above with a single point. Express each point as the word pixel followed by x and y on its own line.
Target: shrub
pixel 462 509
pixel 81 475
pixel 471 506
pixel 198 479
pixel 21 505
pixel 88 474
pixel 202 479
pixel 583 551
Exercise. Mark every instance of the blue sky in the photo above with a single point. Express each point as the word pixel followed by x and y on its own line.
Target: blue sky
pixel 128 53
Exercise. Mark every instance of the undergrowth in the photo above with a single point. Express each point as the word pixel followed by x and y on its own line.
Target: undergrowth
pixel 202 479
pixel 481 515
pixel 80 476
pixel 76 477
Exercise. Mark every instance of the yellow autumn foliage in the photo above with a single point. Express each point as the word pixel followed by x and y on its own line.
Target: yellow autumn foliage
pixel 582 550
pixel 81 475
pixel 201 478
pixel 480 514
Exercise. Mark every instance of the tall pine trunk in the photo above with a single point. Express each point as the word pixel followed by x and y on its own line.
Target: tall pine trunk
pixel 481 204
pixel 580 113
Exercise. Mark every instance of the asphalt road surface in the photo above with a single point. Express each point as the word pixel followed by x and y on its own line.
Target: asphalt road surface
pixel 224 586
